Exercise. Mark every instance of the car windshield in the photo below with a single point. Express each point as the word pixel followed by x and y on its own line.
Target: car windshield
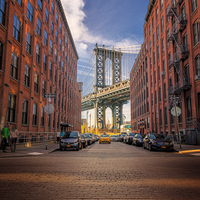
pixel 157 136
pixel 131 134
pixel 123 135
pixel 139 136
pixel 104 135
pixel 82 136
pixel 70 134
pixel 113 135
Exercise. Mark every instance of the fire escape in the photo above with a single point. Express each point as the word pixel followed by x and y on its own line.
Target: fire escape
pixel 181 52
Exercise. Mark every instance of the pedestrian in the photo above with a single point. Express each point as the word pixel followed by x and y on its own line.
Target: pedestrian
pixel 5 133
pixel 14 134
pixel 58 137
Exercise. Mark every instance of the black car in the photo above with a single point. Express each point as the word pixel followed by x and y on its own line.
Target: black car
pixel 157 141
pixel 71 140
pixel 89 139
pixel 129 138
pixel 121 138
pixel 84 140
pixel 138 140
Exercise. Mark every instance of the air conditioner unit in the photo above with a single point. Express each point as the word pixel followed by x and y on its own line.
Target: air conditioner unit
pixel 197 77
pixel 162 73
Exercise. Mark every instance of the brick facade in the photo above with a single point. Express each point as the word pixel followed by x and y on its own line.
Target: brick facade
pixel 60 78
pixel 171 54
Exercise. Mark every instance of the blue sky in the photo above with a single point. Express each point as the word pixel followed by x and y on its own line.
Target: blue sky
pixel 108 22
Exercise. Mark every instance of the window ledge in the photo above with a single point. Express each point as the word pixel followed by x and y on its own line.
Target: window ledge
pixel 26 125
pixel 17 42
pixel 15 80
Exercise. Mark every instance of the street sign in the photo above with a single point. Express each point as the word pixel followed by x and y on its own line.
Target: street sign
pixel 49 108
pixel 175 110
pixel 50 95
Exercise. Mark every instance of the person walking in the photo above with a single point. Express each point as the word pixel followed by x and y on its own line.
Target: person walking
pixel 14 134
pixel 5 133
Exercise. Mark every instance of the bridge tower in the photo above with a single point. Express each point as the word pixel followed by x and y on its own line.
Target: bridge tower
pixel 101 54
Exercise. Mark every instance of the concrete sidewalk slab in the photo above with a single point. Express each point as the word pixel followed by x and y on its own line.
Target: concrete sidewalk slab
pixel 185 148
pixel 39 149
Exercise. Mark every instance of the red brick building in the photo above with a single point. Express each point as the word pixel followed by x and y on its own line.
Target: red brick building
pixel 37 56
pixel 172 52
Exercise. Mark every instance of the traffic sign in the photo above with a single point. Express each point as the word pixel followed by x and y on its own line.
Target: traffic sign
pixel 49 108
pixel 50 95
pixel 175 110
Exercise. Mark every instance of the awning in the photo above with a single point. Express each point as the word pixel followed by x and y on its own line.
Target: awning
pixel 66 125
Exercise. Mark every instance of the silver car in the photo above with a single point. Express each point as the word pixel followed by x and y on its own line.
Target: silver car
pixel 114 138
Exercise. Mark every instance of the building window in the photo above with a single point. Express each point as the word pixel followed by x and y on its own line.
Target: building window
pixel 55 75
pixel 59 81
pixel 165 92
pixel 38 26
pixel 155 97
pixel 155 77
pixel 14 66
pixel 156 13
pixel 153 39
pixel 60 44
pixel 62 66
pixel 34 115
pixel 183 12
pixel 196 32
pixel 36 80
pixel 45 38
pixel 189 109
pixel 52 8
pixel 58 122
pixel 158 72
pixel 40 4
pixel 63 51
pixel 153 22
pixel 166 119
pixel 150 46
pixel 11 107
pixel 63 36
pixel 27 76
pixel 66 56
pixel 56 35
pixel 1 55
pixel 60 27
pixel 52 26
pixel 45 63
pixel 55 54
pixel 51 47
pixel 56 18
pixel 65 71
pixel 161 5
pixel 158 52
pixel 37 53
pixel 159 93
pixel 46 15
pixel 54 120
pixel 154 58
pixel 59 60
pixel 161 117
pixel 157 32
pixel 24 111
pixel 194 5
pixel 59 100
pixel 149 29
pixel 162 24
pixel 163 45
pixel 50 69
pixel 55 97
pixel 43 88
pixel 197 64
pixel 164 65
pixel 42 116
pixel 2 11
pixel 187 74
pixel 66 42
pixel 28 42
pixel 167 10
pixel 151 99
pixel 16 28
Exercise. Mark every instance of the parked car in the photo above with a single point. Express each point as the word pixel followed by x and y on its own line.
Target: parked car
pixel 121 138
pixel 71 140
pixel 157 141
pixel 129 138
pixel 84 141
pixel 96 137
pixel 138 140
pixel 114 138
pixel 89 139
pixel 93 138
pixel 104 139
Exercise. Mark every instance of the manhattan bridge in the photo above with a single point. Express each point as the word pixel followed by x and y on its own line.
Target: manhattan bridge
pixel 106 82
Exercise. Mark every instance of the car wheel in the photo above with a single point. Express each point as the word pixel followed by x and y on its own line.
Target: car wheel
pixel 61 149
pixel 144 146
pixel 77 149
pixel 99 142
pixel 150 149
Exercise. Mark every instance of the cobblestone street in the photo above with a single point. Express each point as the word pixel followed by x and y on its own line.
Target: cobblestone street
pixel 101 171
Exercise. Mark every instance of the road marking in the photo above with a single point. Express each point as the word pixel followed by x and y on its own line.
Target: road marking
pixel 34 153
pixel 195 154
pixel 190 151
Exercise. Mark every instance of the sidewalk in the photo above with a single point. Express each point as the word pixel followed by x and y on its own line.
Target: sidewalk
pixel 186 148
pixel 34 150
